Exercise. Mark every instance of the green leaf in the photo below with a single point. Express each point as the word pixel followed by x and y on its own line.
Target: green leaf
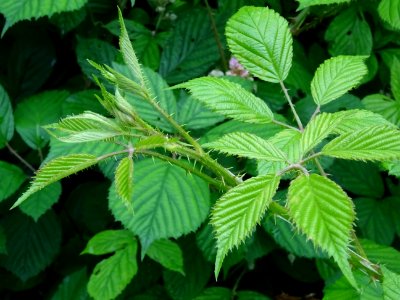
pixel 237 212
pixel 35 112
pixel 3 241
pixel 167 202
pixel 190 50
pixel 67 21
pixel 383 105
pixel 193 114
pixel 215 293
pixel 229 99
pixel 108 241
pixel 317 130
pixel 31 245
pixel 371 143
pixel 113 274
pixel 374 220
pixel 15 11
pixel 123 181
pixel 73 286
pixel 341 289
pixel 247 145
pixel 285 235
pixel 82 101
pixel 260 39
pixel 389 11
pixel 250 295
pixel 168 254
pixel 37 204
pixel 336 76
pixel 127 51
pixel 55 170
pixel 307 3
pixel 349 34
pixel 11 179
pixel 323 211
pixel 395 79
pixel 391 283
pixel 382 255
pixel 362 179
pixel 6 118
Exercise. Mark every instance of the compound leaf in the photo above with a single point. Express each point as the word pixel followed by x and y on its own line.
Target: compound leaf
pixel 336 76
pixel 229 99
pixel 370 143
pixel 247 145
pixel 55 170
pixel 236 213
pixel 260 39
pixel 323 211
pixel 15 11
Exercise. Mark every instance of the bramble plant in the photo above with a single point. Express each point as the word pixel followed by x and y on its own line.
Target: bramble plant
pixel 165 172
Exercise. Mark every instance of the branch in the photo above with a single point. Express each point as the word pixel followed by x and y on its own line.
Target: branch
pixel 289 100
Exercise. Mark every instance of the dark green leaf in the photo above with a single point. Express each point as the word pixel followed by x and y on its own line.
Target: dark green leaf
pixel 11 179
pixel 6 118
pixel 168 254
pixel 73 286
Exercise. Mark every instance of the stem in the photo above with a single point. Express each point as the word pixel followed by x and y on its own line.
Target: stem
pixel 235 287
pixel 108 155
pixel 294 166
pixel 20 158
pixel 320 168
pixel 296 116
pixel 316 112
pixel 312 156
pixel 357 244
pixel 216 36
pixel 40 153
pixel 299 20
pixel 218 184
pixel 284 125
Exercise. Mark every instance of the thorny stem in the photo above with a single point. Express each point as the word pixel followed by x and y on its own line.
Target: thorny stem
pixel 216 36
pixel 289 100
pixel 218 184
pixel 20 158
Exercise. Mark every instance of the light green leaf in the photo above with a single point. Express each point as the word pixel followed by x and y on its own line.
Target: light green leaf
pixel 383 105
pixel 3 241
pixel 247 145
pixel 73 286
pixel 167 202
pixel 237 212
pixel 395 78
pixel 260 38
pixel 55 170
pixel 391 284
pixel 323 211
pixel 6 118
pixel 113 274
pixel 371 143
pixel 336 76
pixel 11 179
pixel 374 220
pixel 152 142
pixel 127 51
pixel 37 204
pixel 35 112
pixel 317 130
pixel 229 99
pixel 124 181
pixel 168 254
pixel 349 34
pixel 306 3
pixel 190 50
pixel 108 241
pixel 31 245
pixel 389 11
pixel 15 11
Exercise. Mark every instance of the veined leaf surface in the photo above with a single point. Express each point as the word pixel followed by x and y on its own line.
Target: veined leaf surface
pixel 261 40
pixel 236 213
pixel 370 143
pixel 323 211
pixel 124 180
pixel 247 145
pixel 336 76
pixel 229 99
pixel 389 10
pixel 57 169
pixel 306 3
pixel 6 118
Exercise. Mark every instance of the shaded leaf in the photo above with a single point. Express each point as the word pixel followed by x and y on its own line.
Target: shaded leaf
pixel 389 11
pixel 383 105
pixel 73 286
pixel 6 118
pixel 168 254
pixel 11 179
